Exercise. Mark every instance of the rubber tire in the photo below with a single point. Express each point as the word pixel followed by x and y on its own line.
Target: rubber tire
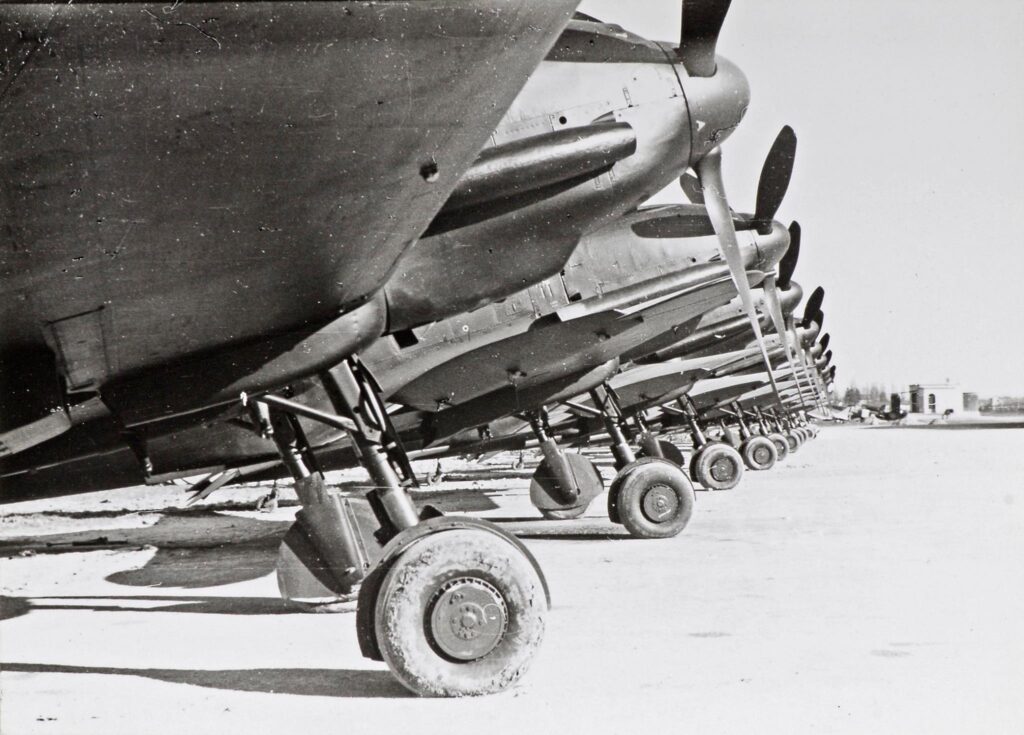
pixel 754 445
pixel 613 489
pixel 781 444
pixel 705 459
pixel 794 441
pixel 400 613
pixel 630 495
pixel 672 453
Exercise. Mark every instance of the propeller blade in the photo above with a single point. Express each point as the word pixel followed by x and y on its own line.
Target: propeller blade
pixel 813 305
pixel 824 341
pixel 709 169
pixel 799 371
pixel 788 263
pixel 771 297
pixel 690 185
pixel 775 176
pixel 802 360
pixel 698 35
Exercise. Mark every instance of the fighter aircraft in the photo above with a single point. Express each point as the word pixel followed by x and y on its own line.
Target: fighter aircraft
pixel 619 290
pixel 155 270
pixel 715 465
pixel 892 412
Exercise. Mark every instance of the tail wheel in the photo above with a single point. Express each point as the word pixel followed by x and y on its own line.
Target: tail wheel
pixel 781 445
pixel 460 612
pixel 653 499
pixel 759 453
pixel 717 467
pixel 670 452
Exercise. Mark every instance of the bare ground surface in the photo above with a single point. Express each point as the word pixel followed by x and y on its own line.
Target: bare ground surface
pixel 874 582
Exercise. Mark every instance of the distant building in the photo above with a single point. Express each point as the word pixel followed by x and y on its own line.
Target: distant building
pixel 938 398
pixel 1002 404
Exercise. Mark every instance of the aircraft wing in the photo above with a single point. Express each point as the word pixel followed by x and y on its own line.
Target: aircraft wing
pixel 557 345
pixel 219 172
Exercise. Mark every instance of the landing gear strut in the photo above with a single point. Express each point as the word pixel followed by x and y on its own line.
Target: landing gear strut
pixel 565 483
pixel 773 434
pixel 715 465
pixel 758 451
pixel 794 436
pixel 651 446
pixel 651 497
pixel 454 606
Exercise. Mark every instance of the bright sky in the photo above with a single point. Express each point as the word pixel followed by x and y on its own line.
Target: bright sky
pixel 910 120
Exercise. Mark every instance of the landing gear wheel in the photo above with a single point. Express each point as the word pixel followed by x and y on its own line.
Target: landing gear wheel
pixel 793 440
pixel 460 612
pixel 781 445
pixel 546 493
pixel 669 451
pixel 759 453
pixel 652 498
pixel 717 466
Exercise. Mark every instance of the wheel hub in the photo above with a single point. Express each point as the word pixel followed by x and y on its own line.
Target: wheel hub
pixel 723 469
pixel 762 455
pixel 659 503
pixel 468 618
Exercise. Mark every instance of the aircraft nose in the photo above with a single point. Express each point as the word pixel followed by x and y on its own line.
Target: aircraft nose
pixel 772 247
pixel 717 105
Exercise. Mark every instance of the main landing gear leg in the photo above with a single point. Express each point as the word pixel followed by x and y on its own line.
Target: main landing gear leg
pixel 758 451
pixel 565 483
pixel 454 606
pixel 715 465
pixel 652 446
pixel 651 496
pixel 774 435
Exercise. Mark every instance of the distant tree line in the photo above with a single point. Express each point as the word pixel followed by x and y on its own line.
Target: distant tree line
pixel 874 394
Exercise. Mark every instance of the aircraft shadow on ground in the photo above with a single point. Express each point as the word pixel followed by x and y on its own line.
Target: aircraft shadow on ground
pixel 191 568
pixel 531 527
pixel 194 549
pixel 456 500
pixel 590 536
pixel 13 607
pixel 308 682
